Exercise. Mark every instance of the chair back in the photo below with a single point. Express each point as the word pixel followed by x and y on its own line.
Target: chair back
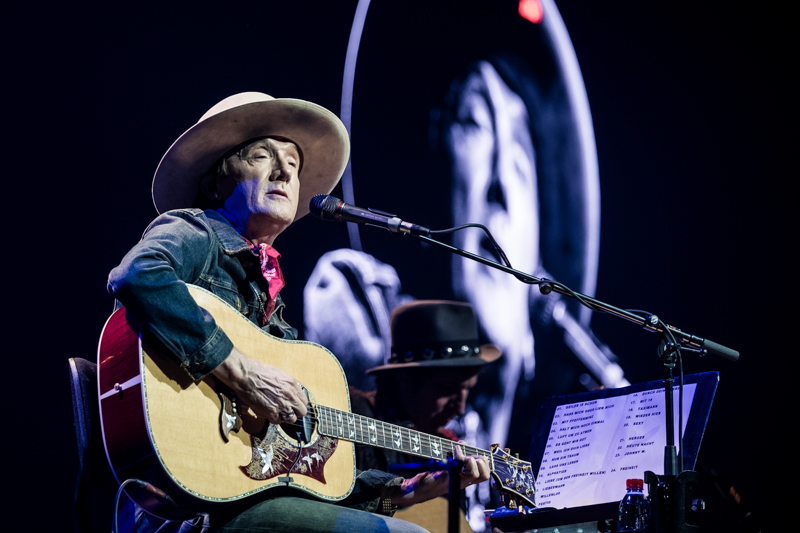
pixel 95 487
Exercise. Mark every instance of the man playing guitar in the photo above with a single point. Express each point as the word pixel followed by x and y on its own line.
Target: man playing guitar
pixel 225 190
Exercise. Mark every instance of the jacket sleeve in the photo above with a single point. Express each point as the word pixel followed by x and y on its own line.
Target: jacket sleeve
pixel 151 283
pixel 372 486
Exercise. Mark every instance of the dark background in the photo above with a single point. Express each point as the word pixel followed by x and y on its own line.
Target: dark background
pixel 691 115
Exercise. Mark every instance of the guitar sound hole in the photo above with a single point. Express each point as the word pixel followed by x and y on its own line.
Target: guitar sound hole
pixel 297 431
pixel 303 429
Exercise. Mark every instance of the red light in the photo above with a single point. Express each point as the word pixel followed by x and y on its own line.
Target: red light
pixel 531 10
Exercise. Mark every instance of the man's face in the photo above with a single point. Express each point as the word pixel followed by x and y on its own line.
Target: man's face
pixel 494 183
pixel 262 185
pixel 435 397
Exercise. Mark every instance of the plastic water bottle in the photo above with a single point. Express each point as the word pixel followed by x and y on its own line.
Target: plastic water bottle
pixel 634 509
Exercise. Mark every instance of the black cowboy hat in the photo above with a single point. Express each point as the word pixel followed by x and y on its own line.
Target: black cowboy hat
pixel 436 333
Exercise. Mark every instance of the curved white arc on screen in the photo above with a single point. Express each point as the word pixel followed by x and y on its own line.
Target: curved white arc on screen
pixel 576 91
pixel 348 79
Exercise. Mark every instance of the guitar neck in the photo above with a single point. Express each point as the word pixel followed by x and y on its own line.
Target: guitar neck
pixel 363 430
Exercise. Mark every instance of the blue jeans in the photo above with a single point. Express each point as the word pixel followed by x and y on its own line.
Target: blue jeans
pixel 298 515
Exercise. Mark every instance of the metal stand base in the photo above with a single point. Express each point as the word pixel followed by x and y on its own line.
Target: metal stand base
pixel 673 502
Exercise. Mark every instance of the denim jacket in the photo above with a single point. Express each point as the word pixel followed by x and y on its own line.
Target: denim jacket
pixel 202 248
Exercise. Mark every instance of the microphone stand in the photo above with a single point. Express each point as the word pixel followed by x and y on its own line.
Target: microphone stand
pixel 649 322
pixel 667 492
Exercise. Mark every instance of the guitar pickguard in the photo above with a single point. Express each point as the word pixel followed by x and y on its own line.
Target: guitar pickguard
pixel 274 455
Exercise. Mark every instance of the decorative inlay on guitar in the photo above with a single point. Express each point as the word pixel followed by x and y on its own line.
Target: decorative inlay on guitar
pixel 192 441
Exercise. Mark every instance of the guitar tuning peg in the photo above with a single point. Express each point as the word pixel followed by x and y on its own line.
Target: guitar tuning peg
pixel 494 446
pixel 507 450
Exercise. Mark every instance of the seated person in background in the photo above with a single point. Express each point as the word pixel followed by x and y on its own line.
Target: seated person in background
pixel 435 361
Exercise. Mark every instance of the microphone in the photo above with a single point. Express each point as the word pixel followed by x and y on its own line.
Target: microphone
pixel 330 208
pixel 706 346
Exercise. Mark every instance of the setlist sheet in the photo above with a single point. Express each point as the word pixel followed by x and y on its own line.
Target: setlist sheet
pixel 594 446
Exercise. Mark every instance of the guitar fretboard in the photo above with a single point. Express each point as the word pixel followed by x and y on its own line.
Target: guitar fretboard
pixel 364 430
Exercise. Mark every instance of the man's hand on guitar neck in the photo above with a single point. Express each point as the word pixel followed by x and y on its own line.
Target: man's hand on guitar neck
pixel 429 485
pixel 267 390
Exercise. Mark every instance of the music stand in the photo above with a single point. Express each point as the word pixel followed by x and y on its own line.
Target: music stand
pixel 577 498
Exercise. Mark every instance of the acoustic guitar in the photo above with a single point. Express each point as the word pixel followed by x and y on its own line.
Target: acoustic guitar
pixel 198 450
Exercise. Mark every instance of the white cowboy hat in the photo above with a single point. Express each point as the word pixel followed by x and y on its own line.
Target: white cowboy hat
pixel 319 134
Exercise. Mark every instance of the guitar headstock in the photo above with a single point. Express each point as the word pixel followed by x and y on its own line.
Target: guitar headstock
pixel 513 476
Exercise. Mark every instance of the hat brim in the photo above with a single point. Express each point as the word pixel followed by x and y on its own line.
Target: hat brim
pixel 489 353
pixel 320 135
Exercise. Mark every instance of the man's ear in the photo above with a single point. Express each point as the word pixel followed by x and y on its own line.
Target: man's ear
pixel 209 187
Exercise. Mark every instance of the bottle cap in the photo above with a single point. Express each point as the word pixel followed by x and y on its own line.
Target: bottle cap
pixel 635 484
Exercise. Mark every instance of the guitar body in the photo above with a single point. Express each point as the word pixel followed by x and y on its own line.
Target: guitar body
pixel 161 427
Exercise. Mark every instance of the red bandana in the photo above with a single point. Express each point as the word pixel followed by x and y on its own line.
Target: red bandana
pixel 271 271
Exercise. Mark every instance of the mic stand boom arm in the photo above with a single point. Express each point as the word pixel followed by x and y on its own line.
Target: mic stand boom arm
pixel 649 322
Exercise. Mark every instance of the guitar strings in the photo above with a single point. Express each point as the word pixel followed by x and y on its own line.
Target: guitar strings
pixel 501 460
pixel 504 459
pixel 320 421
pixel 317 420
pixel 404 438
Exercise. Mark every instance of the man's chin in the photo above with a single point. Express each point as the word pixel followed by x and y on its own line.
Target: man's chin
pixel 278 215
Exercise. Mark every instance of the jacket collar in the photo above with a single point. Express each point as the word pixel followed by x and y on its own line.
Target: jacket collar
pixel 232 242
